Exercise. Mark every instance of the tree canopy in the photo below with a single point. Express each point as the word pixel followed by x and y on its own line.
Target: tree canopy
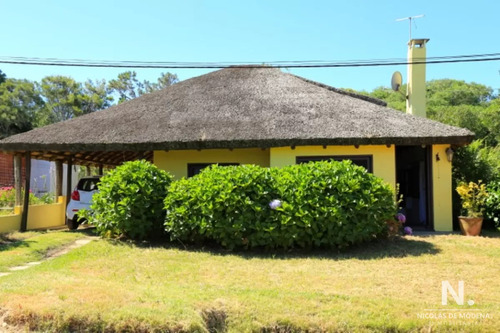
pixel 3 77
pixel 20 103
pixel 25 104
pixel 128 87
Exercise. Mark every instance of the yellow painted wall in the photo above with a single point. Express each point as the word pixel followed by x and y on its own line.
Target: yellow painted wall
pixel 384 160
pixel 10 223
pixel 39 217
pixel 442 185
pixel 47 216
pixel 384 166
pixel 176 161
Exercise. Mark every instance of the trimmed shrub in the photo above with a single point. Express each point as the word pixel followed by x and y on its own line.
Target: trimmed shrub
pixel 225 204
pixel 492 208
pixel 130 201
pixel 313 205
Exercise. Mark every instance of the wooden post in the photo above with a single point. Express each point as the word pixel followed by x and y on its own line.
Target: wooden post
pixel 26 203
pixel 100 169
pixel 89 173
pixel 68 180
pixel 59 178
pixel 18 166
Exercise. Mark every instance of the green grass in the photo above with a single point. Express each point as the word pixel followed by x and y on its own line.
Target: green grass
pixel 19 248
pixel 377 287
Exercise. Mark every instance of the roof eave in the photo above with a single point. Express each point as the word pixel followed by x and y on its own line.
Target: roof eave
pixel 226 144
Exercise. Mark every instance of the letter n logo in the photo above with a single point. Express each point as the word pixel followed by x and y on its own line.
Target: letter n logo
pixel 446 287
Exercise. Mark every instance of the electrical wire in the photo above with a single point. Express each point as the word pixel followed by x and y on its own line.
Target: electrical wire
pixel 276 64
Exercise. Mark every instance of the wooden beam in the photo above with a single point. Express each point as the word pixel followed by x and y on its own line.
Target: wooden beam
pixel 18 166
pixel 69 171
pixel 88 171
pixel 59 178
pixel 100 169
pixel 26 203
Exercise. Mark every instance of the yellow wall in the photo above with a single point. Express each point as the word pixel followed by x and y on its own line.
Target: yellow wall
pixel 384 166
pixel 176 161
pixel 384 162
pixel 441 183
pixel 10 223
pixel 39 217
pixel 47 216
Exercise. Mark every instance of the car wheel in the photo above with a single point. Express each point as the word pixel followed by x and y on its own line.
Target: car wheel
pixel 73 223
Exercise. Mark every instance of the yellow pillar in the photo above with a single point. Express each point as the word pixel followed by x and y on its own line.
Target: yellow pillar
pixel 415 101
pixel 442 189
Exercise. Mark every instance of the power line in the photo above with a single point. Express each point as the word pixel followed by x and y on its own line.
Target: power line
pixel 277 64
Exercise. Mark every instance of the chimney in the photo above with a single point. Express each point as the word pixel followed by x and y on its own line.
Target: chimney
pixel 415 101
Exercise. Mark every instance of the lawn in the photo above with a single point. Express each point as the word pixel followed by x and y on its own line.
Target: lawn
pixel 382 287
pixel 19 248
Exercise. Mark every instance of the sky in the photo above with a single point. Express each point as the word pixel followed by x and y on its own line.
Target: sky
pixel 250 31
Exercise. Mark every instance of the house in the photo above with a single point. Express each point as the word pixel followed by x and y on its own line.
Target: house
pixel 263 116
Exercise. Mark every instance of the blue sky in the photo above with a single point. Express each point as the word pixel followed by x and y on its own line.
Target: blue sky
pixel 250 31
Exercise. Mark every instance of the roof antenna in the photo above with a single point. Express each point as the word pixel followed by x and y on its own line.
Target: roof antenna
pixel 409 19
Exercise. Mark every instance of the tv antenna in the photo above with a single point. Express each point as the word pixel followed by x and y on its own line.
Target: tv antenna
pixel 410 18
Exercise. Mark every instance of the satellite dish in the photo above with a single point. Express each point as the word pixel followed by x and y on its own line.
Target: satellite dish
pixel 396 81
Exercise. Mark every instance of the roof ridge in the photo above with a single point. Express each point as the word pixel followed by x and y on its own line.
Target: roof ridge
pixel 344 92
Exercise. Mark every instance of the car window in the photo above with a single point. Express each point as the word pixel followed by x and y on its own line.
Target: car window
pixel 88 184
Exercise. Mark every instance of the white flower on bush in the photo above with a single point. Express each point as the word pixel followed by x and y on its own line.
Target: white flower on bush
pixel 275 204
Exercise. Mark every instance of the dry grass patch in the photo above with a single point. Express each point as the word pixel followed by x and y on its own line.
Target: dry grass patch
pixel 377 287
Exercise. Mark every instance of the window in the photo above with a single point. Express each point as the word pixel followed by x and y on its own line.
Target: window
pixel 88 184
pixel 195 168
pixel 365 161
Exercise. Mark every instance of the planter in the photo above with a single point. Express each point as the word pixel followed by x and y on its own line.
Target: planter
pixel 470 226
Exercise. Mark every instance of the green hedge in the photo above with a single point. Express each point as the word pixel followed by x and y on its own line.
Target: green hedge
pixel 492 209
pixel 322 204
pixel 130 201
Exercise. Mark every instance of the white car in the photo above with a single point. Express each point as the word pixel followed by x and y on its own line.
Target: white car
pixel 81 198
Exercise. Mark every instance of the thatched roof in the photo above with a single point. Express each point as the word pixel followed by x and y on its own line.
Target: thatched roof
pixel 237 108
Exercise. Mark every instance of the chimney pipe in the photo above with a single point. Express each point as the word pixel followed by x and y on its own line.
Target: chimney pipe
pixel 415 101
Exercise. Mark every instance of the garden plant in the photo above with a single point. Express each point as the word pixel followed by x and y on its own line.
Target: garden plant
pixel 130 201
pixel 312 205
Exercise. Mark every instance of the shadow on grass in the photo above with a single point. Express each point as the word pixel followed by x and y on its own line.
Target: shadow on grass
pixel 490 233
pixel 7 242
pixel 396 248
pixel 399 247
pixel 430 234
pixel 86 230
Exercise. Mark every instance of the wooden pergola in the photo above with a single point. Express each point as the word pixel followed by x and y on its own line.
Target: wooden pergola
pixel 100 159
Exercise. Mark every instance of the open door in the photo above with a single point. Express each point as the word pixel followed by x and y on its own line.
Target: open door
pixel 413 174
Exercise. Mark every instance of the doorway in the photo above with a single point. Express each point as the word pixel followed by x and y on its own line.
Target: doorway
pixel 413 174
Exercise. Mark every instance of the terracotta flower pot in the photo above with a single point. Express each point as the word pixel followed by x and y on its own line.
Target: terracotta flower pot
pixel 470 226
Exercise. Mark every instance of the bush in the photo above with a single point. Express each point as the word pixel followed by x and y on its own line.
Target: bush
pixel 130 201
pixel 492 209
pixel 7 196
pixel 319 204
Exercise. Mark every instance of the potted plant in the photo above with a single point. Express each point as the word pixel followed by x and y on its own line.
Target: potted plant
pixel 473 197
